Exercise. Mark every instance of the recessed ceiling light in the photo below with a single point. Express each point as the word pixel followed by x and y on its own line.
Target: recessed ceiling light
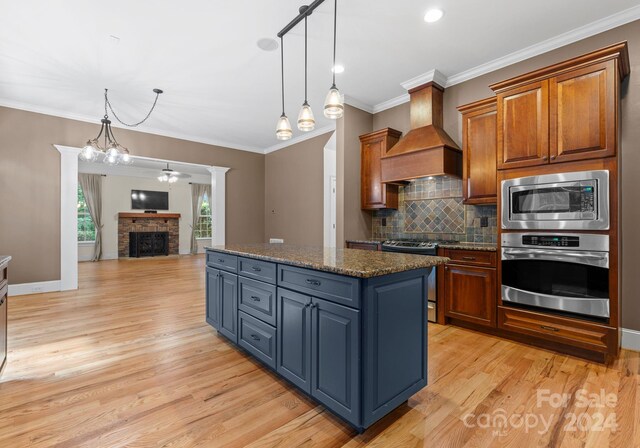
pixel 337 69
pixel 433 15
pixel 268 44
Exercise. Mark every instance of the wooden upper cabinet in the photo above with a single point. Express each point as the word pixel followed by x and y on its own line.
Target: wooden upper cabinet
pixel 523 126
pixel 565 112
pixel 583 111
pixel 373 193
pixel 479 142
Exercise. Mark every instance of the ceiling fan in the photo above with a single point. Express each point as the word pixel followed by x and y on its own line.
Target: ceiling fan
pixel 171 176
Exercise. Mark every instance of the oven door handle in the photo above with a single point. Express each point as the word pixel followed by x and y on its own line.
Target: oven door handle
pixel 598 259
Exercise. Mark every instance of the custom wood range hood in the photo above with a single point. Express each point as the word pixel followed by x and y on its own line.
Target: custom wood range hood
pixel 426 150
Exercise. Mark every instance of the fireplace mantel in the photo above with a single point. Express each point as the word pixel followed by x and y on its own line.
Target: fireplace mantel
pixel 149 215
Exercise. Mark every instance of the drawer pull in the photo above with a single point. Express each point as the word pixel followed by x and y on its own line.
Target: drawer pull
pixel 469 258
pixel 220 260
pixel 255 298
pixel 256 268
pixel 546 327
pixel 313 282
pixel 255 337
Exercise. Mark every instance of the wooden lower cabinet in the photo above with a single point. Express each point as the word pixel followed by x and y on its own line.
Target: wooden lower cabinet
pixel 470 294
pixel 578 333
pixel 364 245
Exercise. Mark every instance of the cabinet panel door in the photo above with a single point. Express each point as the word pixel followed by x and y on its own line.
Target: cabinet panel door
pixel 229 305
pixel 479 156
pixel 213 297
pixel 294 338
pixel 335 361
pixel 373 191
pixel 523 126
pixel 470 294
pixel 583 113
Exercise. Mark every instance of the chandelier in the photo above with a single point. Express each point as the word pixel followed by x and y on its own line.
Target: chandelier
pixel 105 143
pixel 334 104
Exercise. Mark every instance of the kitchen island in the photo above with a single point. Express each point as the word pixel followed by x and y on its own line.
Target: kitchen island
pixel 347 327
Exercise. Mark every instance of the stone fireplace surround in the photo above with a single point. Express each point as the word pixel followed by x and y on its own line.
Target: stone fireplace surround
pixel 148 222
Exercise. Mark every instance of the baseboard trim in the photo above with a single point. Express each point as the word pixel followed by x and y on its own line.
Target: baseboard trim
pixel 22 289
pixel 630 339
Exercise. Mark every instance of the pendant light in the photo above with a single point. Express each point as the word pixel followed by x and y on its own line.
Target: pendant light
pixel 283 129
pixel 333 104
pixel 306 122
pixel 113 153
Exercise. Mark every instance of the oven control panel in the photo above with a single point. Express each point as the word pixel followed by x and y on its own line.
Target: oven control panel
pixel 587 199
pixel 551 240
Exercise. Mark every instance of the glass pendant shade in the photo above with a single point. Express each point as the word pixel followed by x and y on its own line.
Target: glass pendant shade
pixel 333 105
pixel 306 122
pixel 283 129
pixel 125 157
pixel 89 153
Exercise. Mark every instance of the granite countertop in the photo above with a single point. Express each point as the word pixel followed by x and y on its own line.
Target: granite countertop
pixel 489 247
pixel 349 262
pixel 4 259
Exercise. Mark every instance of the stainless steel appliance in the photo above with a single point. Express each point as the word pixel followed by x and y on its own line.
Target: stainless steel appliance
pixel 419 248
pixel 561 272
pixel 566 201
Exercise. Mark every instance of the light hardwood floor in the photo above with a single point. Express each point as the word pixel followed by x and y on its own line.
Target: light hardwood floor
pixel 127 360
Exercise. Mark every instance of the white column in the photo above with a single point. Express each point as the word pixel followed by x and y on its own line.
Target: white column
pixel 68 217
pixel 218 205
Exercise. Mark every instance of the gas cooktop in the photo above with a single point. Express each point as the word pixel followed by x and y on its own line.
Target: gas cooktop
pixel 415 246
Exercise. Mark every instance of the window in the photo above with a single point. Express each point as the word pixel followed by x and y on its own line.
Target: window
pixel 86 229
pixel 203 228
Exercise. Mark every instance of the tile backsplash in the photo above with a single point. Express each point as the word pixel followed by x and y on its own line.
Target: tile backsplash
pixel 430 209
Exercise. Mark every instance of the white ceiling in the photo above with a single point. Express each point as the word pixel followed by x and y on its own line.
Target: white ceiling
pixel 57 56
pixel 149 168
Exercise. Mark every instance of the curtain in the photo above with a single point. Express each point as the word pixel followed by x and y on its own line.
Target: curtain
pixel 197 196
pixel 91 185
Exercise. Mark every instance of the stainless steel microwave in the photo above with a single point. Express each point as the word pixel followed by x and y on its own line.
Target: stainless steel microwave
pixel 566 201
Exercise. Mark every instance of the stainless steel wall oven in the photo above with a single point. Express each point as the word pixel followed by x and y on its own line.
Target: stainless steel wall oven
pixel 562 272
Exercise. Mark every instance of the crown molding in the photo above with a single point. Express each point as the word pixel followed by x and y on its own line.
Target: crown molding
pixel 393 102
pixel 301 138
pixel 87 119
pixel 430 76
pixel 351 101
pixel 575 35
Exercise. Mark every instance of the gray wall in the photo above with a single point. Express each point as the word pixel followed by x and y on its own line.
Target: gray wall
pixel 30 185
pixel 477 88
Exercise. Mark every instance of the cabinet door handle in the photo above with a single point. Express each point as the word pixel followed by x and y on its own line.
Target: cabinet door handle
pixel 255 337
pixel 469 258
pixel 546 327
pixel 313 282
pixel 307 305
pixel 314 305
pixel 553 157
pixel 255 298
pixel 256 268
pixel 544 157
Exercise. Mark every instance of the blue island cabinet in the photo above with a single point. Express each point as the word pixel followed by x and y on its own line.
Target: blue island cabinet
pixel 356 345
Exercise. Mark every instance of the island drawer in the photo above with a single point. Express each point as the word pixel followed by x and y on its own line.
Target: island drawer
pixel 224 261
pixel 258 299
pixel 257 269
pixel 333 287
pixel 257 338
pixel 471 257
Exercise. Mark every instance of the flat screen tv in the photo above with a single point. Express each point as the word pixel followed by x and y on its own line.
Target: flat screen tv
pixel 149 200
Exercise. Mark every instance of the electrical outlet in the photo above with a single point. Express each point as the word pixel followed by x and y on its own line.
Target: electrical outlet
pixel 37 289
pixel 276 240
pixel 484 221
pixel 384 222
